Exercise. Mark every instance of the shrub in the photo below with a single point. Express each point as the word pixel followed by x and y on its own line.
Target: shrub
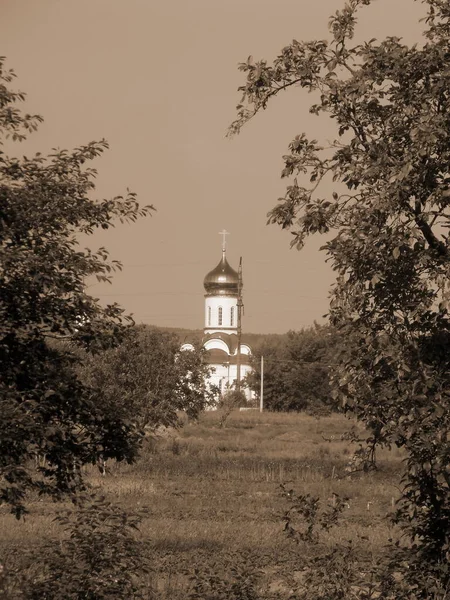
pixel 100 559
pixel 230 401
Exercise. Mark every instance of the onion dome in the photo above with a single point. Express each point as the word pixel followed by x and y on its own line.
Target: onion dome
pixel 223 280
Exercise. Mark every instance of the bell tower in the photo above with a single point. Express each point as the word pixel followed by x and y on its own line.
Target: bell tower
pixel 222 296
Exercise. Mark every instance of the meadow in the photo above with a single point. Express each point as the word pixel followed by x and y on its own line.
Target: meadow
pixel 213 501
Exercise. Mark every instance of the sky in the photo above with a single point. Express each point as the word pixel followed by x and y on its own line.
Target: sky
pixel 158 79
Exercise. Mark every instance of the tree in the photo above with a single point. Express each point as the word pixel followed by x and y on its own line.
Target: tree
pixel 45 203
pixel 230 401
pixel 147 378
pixel 296 370
pixel 388 221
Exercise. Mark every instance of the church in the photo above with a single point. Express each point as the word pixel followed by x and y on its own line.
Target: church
pixel 225 351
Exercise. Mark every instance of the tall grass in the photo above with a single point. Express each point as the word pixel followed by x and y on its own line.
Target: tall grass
pixel 213 493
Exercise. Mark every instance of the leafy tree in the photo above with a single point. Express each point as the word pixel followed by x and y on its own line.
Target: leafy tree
pixel 388 221
pixel 231 400
pixel 147 378
pixel 296 370
pixel 45 203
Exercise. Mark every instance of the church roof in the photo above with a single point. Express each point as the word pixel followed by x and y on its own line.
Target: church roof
pixel 230 339
pixel 223 280
pixel 216 356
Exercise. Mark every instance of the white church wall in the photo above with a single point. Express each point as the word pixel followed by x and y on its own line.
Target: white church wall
pixel 187 346
pixel 245 349
pixel 212 305
pixel 225 377
pixel 216 344
pixel 220 378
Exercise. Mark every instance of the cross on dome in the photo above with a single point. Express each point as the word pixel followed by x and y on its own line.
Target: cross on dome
pixel 224 234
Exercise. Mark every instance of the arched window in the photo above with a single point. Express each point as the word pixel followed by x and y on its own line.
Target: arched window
pixel 220 316
pixel 232 316
pixel 209 316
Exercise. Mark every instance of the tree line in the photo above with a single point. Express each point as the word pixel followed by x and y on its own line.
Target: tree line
pixel 296 370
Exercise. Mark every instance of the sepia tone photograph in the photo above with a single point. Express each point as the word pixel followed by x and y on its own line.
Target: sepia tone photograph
pixel 224 300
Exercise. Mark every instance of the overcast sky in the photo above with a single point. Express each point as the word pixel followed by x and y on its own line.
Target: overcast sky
pixel 158 80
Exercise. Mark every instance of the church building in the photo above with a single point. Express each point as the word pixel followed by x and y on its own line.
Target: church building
pixel 226 353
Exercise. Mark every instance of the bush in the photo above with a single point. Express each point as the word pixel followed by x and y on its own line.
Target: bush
pixel 99 560
pixel 228 402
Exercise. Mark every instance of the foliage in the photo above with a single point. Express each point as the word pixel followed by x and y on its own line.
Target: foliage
pixel 313 517
pixel 342 572
pixel 296 369
pixel 336 575
pixel 331 574
pixel 100 559
pixel 215 503
pixel 45 203
pixel 230 401
pixel 147 378
pixel 388 221
pixel 10 588
pixel 237 581
pixel 400 578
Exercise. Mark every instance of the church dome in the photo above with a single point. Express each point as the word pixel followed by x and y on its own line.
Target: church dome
pixel 222 280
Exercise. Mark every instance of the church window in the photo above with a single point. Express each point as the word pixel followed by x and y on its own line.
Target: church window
pixel 232 316
pixel 209 315
pixel 220 316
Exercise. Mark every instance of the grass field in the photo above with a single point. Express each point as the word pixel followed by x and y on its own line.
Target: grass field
pixel 214 499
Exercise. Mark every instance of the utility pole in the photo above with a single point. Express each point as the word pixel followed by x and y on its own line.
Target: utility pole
pixel 261 395
pixel 239 328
